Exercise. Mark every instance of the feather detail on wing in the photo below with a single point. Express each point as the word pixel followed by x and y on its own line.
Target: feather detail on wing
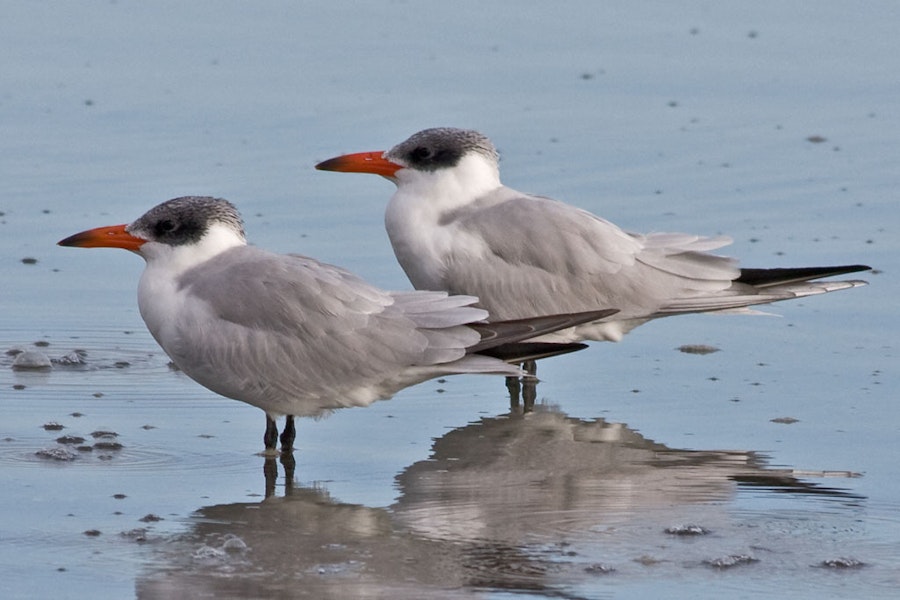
pixel 356 343
pixel 545 234
pixel 742 295
pixel 685 256
pixel 538 256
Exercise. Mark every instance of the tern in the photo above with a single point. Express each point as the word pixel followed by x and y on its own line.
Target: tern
pixel 455 227
pixel 295 336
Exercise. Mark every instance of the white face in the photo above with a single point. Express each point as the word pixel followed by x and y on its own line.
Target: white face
pixel 177 259
pixel 447 188
pixel 185 231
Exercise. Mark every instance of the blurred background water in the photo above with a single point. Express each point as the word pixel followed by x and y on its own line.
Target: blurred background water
pixel 775 124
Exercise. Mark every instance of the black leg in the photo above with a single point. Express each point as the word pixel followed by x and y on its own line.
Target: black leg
pixel 288 434
pixel 529 385
pixel 512 385
pixel 270 472
pixel 270 439
pixel 289 464
pixel 529 393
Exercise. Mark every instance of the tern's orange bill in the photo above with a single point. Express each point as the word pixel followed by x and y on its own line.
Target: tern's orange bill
pixel 361 162
pixel 114 236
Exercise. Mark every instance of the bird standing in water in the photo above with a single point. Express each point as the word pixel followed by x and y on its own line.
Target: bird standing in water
pixel 295 336
pixel 455 227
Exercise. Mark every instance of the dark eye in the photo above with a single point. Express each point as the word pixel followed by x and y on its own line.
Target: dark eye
pixel 163 227
pixel 421 153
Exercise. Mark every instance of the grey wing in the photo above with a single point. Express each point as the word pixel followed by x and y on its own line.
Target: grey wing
pixel 284 293
pixel 541 256
pixel 289 328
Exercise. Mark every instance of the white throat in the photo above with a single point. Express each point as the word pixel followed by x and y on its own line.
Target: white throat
pixel 177 259
pixel 159 297
pixel 413 218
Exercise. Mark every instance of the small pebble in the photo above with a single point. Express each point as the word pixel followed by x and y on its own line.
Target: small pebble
pixel 689 529
pixel 29 260
pixel 100 433
pixel 73 358
pixel 70 439
pixel 108 446
pixel 842 563
pixel 53 426
pixel 732 560
pixel 785 420
pixel 31 360
pixel 697 349
pixel 59 453
pixel 234 545
pixel 150 518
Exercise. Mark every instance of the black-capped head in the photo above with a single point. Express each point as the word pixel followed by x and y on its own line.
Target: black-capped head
pixel 441 148
pixel 185 220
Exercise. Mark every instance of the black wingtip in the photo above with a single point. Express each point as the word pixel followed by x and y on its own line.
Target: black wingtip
pixel 521 351
pixel 497 333
pixel 767 277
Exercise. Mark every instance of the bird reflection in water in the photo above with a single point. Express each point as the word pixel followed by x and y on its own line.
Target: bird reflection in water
pixel 270 471
pixel 524 501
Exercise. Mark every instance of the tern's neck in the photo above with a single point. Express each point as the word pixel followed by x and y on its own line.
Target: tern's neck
pixel 160 296
pixel 419 218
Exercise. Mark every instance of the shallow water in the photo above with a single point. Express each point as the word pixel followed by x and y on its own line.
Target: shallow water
pixel 780 449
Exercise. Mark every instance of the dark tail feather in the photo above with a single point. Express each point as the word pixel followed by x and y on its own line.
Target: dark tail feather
pixel 499 333
pixel 761 278
pixel 521 351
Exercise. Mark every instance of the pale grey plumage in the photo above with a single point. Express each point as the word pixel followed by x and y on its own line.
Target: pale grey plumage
pixel 454 226
pixel 314 331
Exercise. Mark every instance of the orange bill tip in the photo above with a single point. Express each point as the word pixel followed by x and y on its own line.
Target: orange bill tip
pixel 114 236
pixel 361 162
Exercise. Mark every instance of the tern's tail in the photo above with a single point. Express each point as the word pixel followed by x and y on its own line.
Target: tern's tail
pixel 763 286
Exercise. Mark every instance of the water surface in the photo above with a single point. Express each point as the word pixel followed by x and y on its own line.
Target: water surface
pixel 774 124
